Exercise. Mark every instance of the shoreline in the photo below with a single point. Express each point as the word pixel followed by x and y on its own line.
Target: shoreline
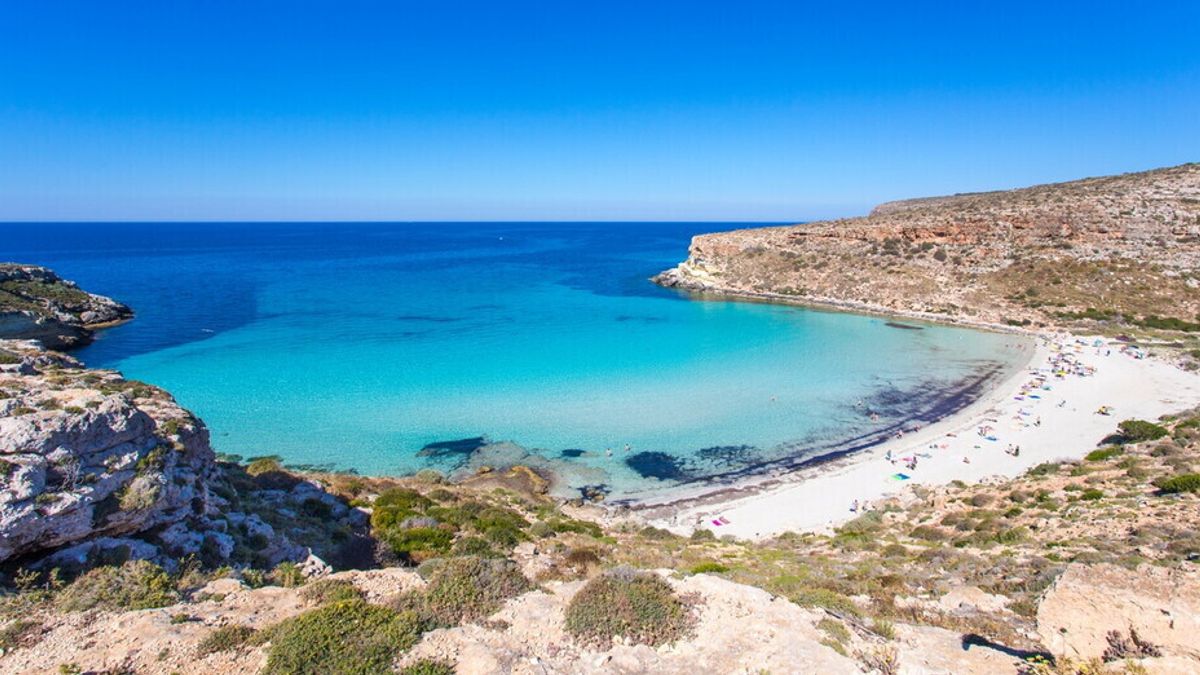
pixel 780 471
pixel 699 291
pixel 820 497
pixel 768 481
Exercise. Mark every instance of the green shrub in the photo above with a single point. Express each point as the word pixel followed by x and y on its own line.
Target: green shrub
pixel 623 603
pixel 1044 469
pixel 929 533
pixel 476 546
pixel 655 533
pixel 416 544
pixel 428 667
pixel 501 526
pixel 1103 454
pixel 1091 494
pixel 469 588
pixel 1136 431
pixel 1187 482
pixel 137 584
pixel 325 591
pixel 834 629
pixel 884 629
pixel 262 465
pixel 394 505
pixel 224 639
pixel 141 493
pixel 708 568
pixel 288 575
pixel 577 526
pixel 868 523
pixel 702 534
pixel 344 638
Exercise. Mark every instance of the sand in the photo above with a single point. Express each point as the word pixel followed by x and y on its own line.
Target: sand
pixel 1052 422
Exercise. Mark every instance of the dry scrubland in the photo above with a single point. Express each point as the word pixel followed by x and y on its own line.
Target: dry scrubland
pixel 492 575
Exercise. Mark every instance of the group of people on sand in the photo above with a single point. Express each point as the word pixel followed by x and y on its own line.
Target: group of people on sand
pixel 1063 363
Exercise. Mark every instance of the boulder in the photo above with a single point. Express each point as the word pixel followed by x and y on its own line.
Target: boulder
pixel 1090 606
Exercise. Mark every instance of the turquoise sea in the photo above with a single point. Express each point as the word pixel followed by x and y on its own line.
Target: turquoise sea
pixel 386 348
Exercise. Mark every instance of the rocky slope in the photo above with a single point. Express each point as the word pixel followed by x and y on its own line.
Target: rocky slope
pixel 94 465
pixel 35 304
pixel 1125 247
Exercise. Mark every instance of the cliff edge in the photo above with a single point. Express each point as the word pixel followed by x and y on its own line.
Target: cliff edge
pixel 1122 249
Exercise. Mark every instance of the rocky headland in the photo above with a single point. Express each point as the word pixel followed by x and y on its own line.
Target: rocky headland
pixel 35 304
pixel 1117 253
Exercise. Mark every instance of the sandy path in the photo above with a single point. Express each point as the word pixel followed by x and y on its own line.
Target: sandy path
pixel 821 499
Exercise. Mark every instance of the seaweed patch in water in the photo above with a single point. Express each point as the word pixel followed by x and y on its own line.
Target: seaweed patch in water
pixel 658 465
pixel 464 446
pixel 904 326
pixel 729 455
pixel 572 452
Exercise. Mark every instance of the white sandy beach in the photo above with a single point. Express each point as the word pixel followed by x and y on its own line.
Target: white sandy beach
pixel 1050 415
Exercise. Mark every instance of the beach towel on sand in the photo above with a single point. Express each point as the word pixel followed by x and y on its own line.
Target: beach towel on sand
pixel 901 476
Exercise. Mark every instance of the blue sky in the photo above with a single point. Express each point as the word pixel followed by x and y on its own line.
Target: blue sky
pixel 444 110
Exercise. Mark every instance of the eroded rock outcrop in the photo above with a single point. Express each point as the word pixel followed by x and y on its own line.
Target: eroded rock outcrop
pixel 1110 613
pixel 97 467
pixel 36 304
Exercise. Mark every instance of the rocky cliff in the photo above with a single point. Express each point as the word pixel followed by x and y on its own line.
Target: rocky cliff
pixel 35 304
pixel 1120 248
pixel 94 467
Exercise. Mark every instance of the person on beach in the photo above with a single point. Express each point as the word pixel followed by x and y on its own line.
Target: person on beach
pixel 854 506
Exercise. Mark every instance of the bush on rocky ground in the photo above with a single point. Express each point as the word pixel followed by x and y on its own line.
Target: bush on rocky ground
pixel 348 637
pixel 1137 431
pixel 326 591
pixel 428 667
pixel 640 607
pixel 135 585
pixel 1187 482
pixel 225 639
pixel 467 589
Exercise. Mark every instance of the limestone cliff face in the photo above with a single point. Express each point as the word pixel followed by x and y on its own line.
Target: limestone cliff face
pixel 1126 244
pixel 35 304
pixel 96 467
pixel 87 454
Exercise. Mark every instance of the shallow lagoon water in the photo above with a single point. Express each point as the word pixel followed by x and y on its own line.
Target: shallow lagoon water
pixel 354 346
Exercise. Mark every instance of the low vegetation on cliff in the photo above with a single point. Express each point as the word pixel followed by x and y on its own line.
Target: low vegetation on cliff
pixel 1115 254
pixel 35 303
pixel 982 563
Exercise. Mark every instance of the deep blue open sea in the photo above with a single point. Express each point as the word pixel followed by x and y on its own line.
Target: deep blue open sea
pixel 372 346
